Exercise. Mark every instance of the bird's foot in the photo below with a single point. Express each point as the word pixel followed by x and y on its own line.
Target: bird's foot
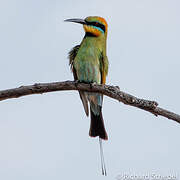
pixel 92 84
pixel 76 82
pixel 80 81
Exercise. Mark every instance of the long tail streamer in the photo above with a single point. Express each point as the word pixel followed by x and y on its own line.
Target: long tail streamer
pixel 103 167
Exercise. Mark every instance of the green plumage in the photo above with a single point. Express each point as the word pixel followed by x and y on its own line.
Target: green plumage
pixel 89 64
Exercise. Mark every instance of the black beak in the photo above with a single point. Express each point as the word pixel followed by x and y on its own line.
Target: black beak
pixel 80 21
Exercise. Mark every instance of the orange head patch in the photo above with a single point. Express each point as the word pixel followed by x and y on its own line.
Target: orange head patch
pixel 95 25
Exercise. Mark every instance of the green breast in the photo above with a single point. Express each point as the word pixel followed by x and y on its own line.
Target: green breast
pixel 86 62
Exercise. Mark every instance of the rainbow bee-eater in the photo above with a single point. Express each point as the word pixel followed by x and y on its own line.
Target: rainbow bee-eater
pixel 89 64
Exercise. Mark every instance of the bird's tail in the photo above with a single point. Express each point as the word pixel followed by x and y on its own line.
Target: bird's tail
pixel 97 125
pixel 97 129
pixel 103 166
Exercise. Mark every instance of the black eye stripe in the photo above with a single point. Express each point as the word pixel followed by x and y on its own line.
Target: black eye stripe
pixel 97 25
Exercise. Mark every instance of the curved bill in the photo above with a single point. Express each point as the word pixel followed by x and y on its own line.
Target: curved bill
pixel 80 21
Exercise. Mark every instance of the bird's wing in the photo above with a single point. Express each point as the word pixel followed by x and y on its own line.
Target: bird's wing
pixel 72 55
pixel 103 68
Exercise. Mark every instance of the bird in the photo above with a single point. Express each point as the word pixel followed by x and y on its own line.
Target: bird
pixel 89 64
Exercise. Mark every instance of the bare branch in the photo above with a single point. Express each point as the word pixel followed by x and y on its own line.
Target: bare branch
pixel 111 91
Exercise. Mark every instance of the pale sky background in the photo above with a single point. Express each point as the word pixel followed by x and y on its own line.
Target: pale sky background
pixel 46 136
